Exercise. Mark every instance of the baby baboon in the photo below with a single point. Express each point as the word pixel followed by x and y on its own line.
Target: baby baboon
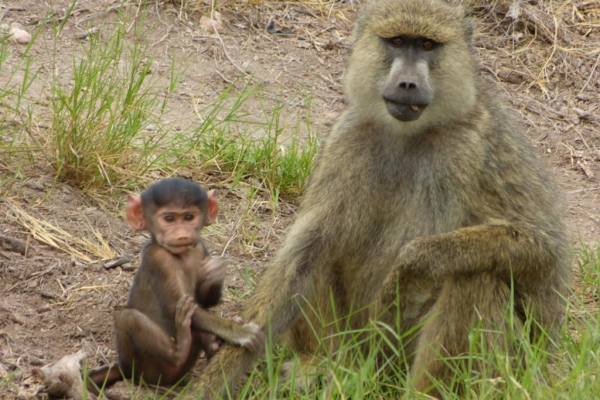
pixel 165 324
pixel 426 198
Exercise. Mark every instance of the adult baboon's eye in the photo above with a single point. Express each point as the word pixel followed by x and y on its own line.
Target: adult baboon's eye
pixel 397 41
pixel 428 44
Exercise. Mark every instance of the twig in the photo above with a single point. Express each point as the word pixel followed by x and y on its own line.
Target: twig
pixel 554 46
pixel 591 74
pixel 227 54
pixel 584 190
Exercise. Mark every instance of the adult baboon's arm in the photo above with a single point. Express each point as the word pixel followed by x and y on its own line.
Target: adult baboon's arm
pixel 510 250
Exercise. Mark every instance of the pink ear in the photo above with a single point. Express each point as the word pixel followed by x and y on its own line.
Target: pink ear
pixel 212 208
pixel 134 212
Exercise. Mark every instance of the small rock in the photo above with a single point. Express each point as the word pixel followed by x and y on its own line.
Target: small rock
pixel 19 35
pixel 58 11
pixel 35 185
pixel 211 25
pixel 119 262
pixel 84 34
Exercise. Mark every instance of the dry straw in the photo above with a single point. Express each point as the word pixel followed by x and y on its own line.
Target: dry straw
pixel 43 231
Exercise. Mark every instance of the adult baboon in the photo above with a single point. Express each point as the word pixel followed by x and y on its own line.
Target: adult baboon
pixel 427 192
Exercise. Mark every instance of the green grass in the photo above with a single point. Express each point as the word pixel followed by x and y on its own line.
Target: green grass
pixel 352 372
pixel 589 262
pixel 98 136
pixel 16 109
pixel 568 371
pixel 265 154
pixel 107 129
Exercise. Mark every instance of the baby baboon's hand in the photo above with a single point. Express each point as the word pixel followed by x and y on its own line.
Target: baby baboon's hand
pixel 214 270
pixel 184 311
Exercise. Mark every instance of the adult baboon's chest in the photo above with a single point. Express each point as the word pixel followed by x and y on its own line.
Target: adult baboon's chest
pixel 413 191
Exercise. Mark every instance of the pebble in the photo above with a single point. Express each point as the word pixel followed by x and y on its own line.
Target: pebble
pixel 19 35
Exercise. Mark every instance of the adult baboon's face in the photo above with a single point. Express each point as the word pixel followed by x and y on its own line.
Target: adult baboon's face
pixel 409 67
pixel 407 90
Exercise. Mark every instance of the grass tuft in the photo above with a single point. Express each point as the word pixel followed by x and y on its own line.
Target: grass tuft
pixel 98 136
pixel 260 151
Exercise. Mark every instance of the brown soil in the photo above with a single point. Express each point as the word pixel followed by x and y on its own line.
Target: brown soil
pixel 53 303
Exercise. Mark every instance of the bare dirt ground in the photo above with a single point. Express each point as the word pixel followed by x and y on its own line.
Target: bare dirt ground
pixel 544 56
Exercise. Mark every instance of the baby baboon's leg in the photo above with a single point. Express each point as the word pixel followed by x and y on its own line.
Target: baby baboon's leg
pixel 144 347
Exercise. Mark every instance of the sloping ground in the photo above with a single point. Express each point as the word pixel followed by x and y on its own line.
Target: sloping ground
pixel 54 301
pixel 546 56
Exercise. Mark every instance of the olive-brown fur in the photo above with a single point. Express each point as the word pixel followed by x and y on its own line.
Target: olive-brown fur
pixel 454 210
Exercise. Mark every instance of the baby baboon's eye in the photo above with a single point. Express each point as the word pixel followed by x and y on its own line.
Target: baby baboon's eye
pixel 189 217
